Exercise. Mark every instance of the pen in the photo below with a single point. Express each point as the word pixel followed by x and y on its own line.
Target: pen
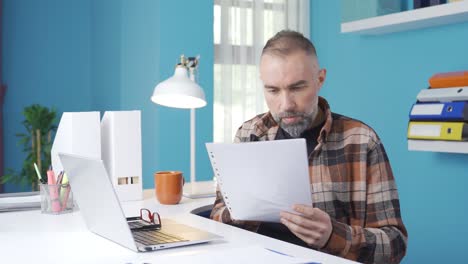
pixel 51 176
pixel 67 191
pixel 53 190
pixel 38 173
pixel 59 187
pixel 60 178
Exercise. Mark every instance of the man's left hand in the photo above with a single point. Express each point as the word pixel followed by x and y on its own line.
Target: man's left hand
pixel 312 225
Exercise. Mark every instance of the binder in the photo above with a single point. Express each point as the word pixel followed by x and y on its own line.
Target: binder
pixel 78 133
pixel 449 79
pixel 451 111
pixel 438 146
pixel 438 130
pixel 444 95
pixel 121 152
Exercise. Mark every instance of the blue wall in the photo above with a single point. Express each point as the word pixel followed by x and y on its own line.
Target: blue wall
pixel 46 60
pixel 108 55
pixel 105 39
pixel 376 79
pixel 189 31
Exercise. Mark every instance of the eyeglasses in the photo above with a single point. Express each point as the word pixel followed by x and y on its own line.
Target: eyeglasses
pixel 146 221
pixel 151 217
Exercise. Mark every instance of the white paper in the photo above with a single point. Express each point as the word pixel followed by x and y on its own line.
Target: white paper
pixel 20 199
pixel 258 180
pixel 19 203
pixel 200 189
pixel 249 254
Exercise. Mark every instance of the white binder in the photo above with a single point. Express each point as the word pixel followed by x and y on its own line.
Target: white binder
pixel 258 180
pixel 121 152
pixel 78 133
pixel 443 94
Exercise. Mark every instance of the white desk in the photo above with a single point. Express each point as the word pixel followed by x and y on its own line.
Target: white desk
pixel 32 237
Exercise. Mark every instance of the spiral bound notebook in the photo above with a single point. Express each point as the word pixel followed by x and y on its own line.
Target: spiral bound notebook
pixel 258 180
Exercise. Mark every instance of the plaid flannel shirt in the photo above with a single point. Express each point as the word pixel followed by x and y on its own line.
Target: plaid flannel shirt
pixel 351 179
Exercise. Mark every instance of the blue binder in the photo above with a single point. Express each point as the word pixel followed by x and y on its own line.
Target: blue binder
pixel 450 111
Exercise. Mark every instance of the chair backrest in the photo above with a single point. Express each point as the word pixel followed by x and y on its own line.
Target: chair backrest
pixel 203 211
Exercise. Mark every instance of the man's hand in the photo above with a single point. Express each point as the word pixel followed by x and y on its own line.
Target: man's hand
pixel 313 226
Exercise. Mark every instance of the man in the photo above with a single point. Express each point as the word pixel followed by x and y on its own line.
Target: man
pixel 355 212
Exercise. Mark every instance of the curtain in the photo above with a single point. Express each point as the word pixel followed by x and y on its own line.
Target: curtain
pixel 241 29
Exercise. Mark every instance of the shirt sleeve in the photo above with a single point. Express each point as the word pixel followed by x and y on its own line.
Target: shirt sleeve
pixel 383 238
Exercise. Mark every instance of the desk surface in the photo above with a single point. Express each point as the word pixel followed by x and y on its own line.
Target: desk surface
pixel 32 237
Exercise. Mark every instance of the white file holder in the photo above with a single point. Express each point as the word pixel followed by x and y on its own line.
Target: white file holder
pixel 78 133
pixel 121 152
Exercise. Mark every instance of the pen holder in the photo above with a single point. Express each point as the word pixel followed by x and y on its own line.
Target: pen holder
pixel 56 198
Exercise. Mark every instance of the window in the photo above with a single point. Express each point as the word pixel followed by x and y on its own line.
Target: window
pixel 241 29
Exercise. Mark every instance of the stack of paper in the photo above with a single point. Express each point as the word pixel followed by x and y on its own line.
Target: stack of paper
pixel 226 256
pixel 200 189
pixel 10 202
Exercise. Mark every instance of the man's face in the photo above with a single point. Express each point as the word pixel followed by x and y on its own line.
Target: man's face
pixel 291 85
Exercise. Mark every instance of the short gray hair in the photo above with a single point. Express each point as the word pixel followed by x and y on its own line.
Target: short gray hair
pixel 286 42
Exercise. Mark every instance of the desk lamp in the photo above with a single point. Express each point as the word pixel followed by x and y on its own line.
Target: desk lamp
pixel 181 91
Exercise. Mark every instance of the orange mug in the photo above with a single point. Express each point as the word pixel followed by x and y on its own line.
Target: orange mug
pixel 169 186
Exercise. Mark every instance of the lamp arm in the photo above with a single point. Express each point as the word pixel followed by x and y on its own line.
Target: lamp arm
pixel 192 128
pixel 192 145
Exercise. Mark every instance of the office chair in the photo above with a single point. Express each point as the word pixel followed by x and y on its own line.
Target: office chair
pixel 203 211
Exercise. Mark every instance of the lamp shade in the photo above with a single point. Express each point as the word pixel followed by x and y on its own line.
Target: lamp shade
pixel 179 91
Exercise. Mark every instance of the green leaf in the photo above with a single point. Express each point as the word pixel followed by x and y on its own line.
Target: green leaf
pixel 36 117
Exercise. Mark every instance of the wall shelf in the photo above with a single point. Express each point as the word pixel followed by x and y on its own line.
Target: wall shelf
pixel 438 146
pixel 418 18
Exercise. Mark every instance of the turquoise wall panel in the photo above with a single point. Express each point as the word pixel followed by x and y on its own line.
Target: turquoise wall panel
pixel 186 28
pixel 46 47
pixel 108 55
pixel 139 55
pixel 105 54
pixel 376 79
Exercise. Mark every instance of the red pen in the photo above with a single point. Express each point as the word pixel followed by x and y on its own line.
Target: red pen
pixel 50 176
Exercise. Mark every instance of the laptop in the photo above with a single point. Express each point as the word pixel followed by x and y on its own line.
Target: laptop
pixel 101 210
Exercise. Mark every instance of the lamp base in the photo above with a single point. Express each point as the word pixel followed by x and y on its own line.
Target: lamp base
pixel 201 189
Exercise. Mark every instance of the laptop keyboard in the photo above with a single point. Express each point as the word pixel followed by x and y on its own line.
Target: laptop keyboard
pixel 155 237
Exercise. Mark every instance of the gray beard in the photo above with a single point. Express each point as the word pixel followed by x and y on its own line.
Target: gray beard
pixel 295 130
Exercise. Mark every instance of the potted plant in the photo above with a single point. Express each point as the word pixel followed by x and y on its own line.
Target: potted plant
pixel 39 122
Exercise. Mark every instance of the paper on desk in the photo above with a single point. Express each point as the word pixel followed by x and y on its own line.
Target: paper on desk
pixel 258 180
pixel 199 189
pixel 250 254
pixel 18 202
